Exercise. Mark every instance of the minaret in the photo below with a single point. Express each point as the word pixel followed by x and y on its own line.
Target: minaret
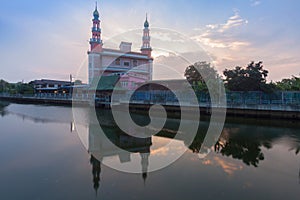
pixel 96 170
pixel 145 164
pixel 95 41
pixel 96 44
pixel 146 48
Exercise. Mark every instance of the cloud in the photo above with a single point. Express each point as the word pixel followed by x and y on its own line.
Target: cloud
pixel 167 37
pixel 220 41
pixel 225 41
pixel 222 35
pixel 227 165
pixel 255 3
pixel 172 66
pixel 233 21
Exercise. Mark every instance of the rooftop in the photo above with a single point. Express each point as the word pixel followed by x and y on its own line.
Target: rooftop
pixel 105 83
pixel 49 81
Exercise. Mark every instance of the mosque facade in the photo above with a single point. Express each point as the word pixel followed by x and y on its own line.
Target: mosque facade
pixel 133 68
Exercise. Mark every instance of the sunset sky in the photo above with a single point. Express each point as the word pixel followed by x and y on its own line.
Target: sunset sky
pixel 49 39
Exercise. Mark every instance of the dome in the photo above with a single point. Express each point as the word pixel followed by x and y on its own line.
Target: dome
pixel 96 14
pixel 146 24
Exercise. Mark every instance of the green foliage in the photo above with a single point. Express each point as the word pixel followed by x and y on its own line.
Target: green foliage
pixel 292 84
pixel 3 86
pixel 16 88
pixel 199 86
pixel 199 74
pixel 77 82
pixel 25 88
pixel 251 78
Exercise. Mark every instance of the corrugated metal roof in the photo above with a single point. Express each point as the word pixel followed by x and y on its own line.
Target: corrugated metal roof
pixel 48 81
pixel 105 83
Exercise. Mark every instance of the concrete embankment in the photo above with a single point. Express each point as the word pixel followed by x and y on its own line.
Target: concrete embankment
pixel 39 100
pixel 238 111
pixel 253 111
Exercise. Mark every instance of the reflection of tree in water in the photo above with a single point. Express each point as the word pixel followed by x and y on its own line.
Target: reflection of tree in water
pixel 197 143
pixel 246 150
pixel 245 142
pixel 245 147
pixel 3 104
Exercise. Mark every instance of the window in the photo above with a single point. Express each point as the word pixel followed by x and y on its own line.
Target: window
pixel 117 62
pixel 135 63
pixel 127 64
pixel 124 83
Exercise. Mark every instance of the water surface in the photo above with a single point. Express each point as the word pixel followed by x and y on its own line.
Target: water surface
pixel 43 157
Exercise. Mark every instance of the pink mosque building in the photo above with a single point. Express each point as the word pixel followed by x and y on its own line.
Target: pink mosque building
pixel 132 67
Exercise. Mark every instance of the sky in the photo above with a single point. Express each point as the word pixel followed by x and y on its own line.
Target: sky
pixel 49 39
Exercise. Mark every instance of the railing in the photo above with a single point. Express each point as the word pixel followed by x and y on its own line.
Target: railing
pixel 49 96
pixel 244 100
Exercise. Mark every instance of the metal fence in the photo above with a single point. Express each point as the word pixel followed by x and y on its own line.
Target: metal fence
pixel 283 98
pixel 168 97
pixel 232 98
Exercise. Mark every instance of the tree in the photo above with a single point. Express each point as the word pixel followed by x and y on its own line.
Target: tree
pixel 15 88
pixel 199 74
pixel 78 82
pixel 25 88
pixel 251 78
pixel 3 86
pixel 292 84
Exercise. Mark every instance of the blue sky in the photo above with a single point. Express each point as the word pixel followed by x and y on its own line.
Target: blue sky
pixel 48 39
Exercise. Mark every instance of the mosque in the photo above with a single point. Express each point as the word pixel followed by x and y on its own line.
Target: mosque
pixel 132 68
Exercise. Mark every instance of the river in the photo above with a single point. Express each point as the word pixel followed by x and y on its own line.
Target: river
pixel 47 153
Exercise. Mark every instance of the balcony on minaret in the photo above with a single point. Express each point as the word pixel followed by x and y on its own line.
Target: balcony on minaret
pixel 95 29
pixel 96 40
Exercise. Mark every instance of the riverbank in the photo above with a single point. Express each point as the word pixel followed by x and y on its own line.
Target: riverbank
pixel 44 100
pixel 291 112
pixel 174 111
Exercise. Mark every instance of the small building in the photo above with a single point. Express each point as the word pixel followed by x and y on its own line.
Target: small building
pixel 52 86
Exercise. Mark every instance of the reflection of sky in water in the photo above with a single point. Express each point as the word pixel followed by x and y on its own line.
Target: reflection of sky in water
pixel 159 152
pixel 41 113
pixel 47 161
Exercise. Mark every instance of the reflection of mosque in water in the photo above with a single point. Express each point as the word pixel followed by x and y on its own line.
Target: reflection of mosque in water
pixel 116 143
